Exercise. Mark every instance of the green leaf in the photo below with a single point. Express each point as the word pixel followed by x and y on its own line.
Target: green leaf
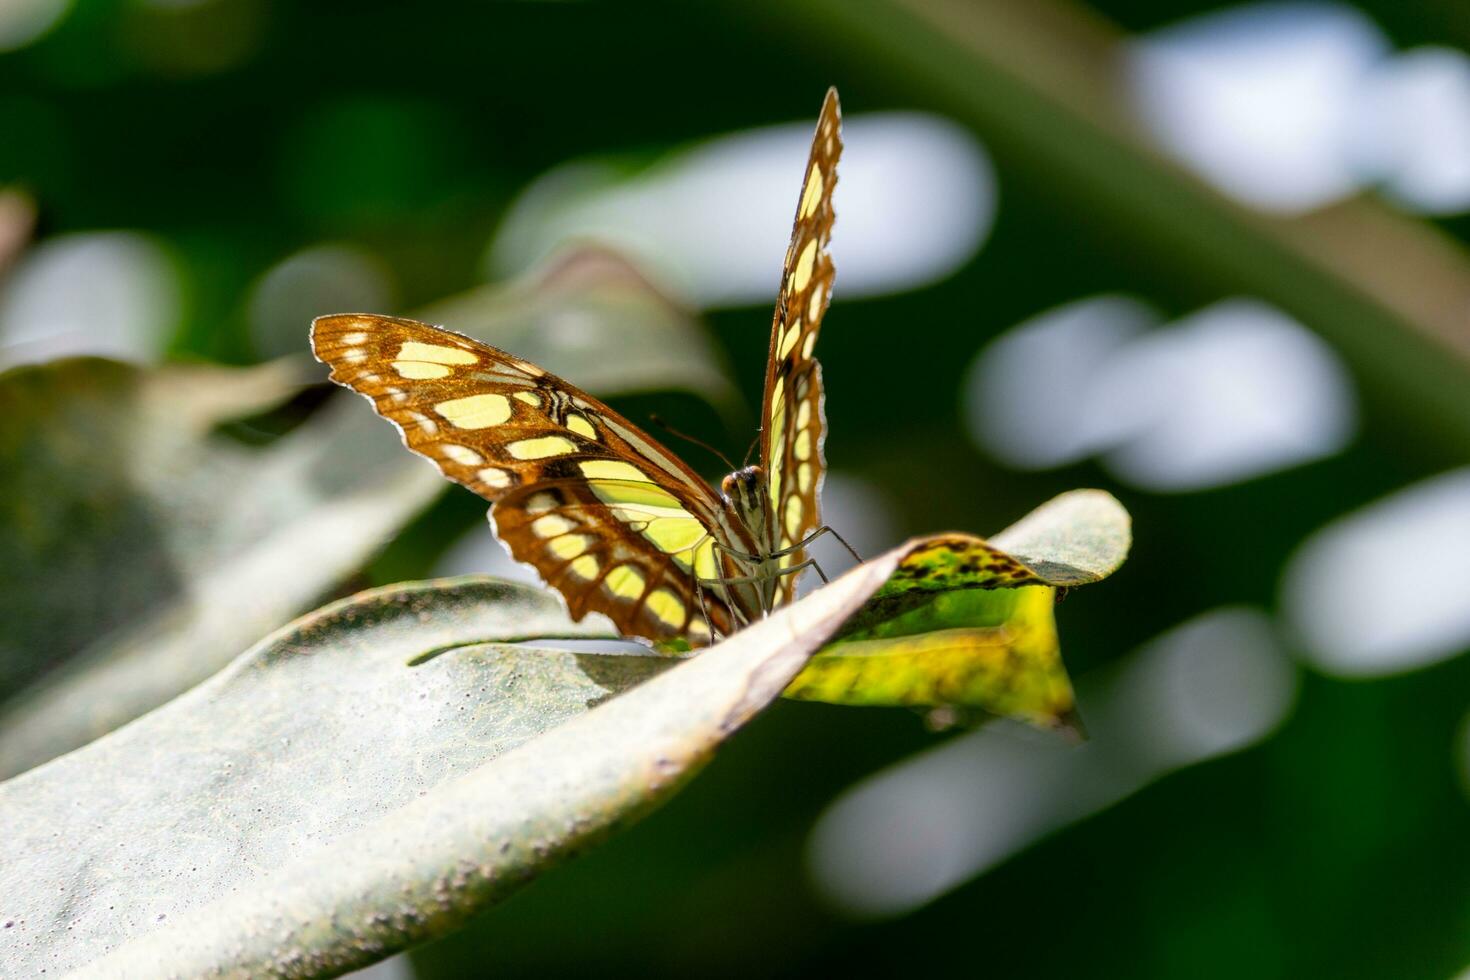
pixel 321 804
pixel 967 623
pixel 141 550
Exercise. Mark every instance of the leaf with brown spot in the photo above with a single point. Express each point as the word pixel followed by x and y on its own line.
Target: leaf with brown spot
pixel 964 622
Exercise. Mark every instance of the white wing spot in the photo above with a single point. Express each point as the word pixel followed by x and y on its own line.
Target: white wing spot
pixel 540 502
pixel 426 424
pixel 495 477
pixel 463 455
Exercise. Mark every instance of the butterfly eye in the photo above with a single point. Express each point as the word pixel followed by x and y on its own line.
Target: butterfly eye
pixel 742 483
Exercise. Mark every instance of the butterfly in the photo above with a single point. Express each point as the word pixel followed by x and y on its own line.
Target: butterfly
pixel 607 515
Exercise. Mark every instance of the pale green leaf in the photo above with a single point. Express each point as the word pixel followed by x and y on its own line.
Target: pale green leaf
pixel 321 803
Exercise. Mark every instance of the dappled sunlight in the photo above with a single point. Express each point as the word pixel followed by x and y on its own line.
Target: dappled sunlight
pixel 114 293
pixel 1235 391
pixel 1231 393
pixel 1259 98
pixel 1029 395
pixel 1383 590
pixel 911 833
pixel 914 200
pixel 1414 136
pixel 1210 261
pixel 25 21
pixel 1292 106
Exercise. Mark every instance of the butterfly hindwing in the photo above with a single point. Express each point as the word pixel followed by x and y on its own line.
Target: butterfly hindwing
pixel 607 516
pixel 793 426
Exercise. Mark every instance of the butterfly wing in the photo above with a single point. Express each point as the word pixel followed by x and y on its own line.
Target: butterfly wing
pixel 608 517
pixel 793 425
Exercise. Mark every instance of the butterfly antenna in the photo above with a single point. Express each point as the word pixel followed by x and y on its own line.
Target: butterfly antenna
pixel 658 421
pixel 753 443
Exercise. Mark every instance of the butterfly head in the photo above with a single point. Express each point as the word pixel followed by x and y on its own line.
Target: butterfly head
pixel 746 498
pixel 744 486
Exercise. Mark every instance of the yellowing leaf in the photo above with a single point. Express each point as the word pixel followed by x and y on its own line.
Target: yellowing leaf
pixel 963 623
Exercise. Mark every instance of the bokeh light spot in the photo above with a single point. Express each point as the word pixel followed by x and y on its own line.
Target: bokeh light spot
pixel 915 198
pixel 1261 100
pixel 911 833
pixel 1384 590
pixel 1227 394
pixel 314 282
pixel 25 21
pixel 111 293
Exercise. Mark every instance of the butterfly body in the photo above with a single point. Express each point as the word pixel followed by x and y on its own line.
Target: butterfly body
pixel 604 513
pixel 746 495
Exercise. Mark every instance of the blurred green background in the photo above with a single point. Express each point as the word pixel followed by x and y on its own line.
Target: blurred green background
pixel 1208 257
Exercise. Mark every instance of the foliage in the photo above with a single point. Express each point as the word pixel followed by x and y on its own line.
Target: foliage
pixel 321 803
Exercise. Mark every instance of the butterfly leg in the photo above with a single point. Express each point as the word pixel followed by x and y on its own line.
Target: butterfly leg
pixel 746 579
pixel 714 633
pixel 824 529
pixel 828 529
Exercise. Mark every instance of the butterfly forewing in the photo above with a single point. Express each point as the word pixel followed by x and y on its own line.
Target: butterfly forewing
pixel 607 516
pixel 793 426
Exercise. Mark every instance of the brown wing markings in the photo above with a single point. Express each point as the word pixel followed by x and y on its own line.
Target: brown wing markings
pixel 565 427
pixel 588 518
pixel 792 373
pixel 411 371
pixel 410 403
pixel 806 464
